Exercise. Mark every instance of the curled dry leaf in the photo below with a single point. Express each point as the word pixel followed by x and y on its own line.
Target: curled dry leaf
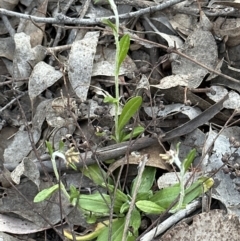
pixel 154 160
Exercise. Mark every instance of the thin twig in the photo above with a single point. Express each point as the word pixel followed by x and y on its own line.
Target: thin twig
pixel 62 19
pixel 132 204
pixel 12 101
pixel 8 25
pixel 171 221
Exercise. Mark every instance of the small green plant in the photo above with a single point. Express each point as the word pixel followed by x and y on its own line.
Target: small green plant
pixel 97 205
pixel 133 105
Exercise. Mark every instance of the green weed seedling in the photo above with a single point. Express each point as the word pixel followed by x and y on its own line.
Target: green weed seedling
pixel 133 105
pixel 114 201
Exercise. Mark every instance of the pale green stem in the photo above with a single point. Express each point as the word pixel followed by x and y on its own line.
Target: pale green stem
pixel 114 8
pixel 56 172
pixel 182 173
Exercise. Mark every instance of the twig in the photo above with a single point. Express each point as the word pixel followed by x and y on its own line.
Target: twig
pixel 132 204
pixel 8 25
pixel 171 221
pixel 62 19
pixel 12 101
pixel 135 3
pixel 59 30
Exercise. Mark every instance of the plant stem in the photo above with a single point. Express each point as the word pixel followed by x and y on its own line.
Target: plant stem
pixel 116 72
pixel 56 153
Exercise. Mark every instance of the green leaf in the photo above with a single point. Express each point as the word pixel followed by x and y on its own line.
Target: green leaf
pixel 166 196
pixel 144 195
pixel 202 185
pixel 91 219
pixel 148 178
pixel 96 203
pixel 124 208
pixel 124 44
pixel 100 227
pixel 49 147
pixel 119 195
pixel 96 174
pixel 110 24
pixel 117 232
pixel 110 99
pixel 129 110
pixel 61 146
pixel 135 220
pixel 188 160
pixel 74 193
pixel 135 132
pixel 45 193
pixel 149 207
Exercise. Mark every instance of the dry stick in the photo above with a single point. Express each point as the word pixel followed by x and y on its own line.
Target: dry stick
pixel 160 228
pixel 8 25
pixel 173 50
pixel 15 79
pixel 62 19
pixel 153 44
pixel 116 150
pixel 12 101
pixel 134 196
pixel 171 221
pixel 73 33
pixel 134 3
pixel 59 30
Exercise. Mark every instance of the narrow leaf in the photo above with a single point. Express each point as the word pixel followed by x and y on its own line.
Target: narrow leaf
pixel 45 193
pixel 117 232
pixel 124 207
pixel 166 196
pixel 148 178
pixel 202 185
pixel 110 24
pixel 144 195
pixel 135 132
pixel 98 203
pixel 188 160
pixel 129 110
pixel 61 146
pixel 119 195
pixel 96 174
pixel 110 99
pixel 49 147
pixel 135 220
pixel 149 207
pixel 74 193
pixel 124 44
pixel 100 227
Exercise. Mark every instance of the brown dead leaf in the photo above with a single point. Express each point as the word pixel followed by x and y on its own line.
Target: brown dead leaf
pixel 154 159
